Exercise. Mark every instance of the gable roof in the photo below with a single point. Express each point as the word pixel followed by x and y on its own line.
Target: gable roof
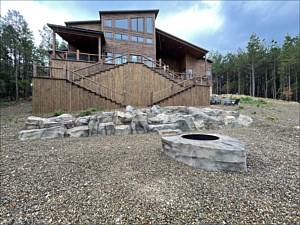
pixel 155 11
pixel 179 46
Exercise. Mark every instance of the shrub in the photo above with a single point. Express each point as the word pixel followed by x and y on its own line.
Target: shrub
pixel 58 112
pixel 253 101
pixel 87 112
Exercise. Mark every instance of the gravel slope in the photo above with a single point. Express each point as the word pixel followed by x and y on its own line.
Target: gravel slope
pixel 126 180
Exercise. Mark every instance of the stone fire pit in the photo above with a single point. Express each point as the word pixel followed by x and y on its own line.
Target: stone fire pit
pixel 208 151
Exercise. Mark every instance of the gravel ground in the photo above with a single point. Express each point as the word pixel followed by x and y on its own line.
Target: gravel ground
pixel 126 180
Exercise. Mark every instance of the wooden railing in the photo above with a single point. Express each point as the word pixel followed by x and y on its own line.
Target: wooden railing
pixel 95 86
pixel 177 87
pixel 79 56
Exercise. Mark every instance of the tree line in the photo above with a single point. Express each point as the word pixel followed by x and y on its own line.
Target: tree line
pixel 267 70
pixel 18 52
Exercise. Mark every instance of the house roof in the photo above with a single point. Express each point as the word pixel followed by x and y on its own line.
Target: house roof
pixel 169 43
pixel 82 22
pixel 85 38
pixel 130 11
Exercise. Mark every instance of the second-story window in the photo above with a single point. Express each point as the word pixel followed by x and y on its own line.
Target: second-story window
pixel 137 39
pixel 108 23
pixel 121 36
pixel 149 25
pixel 121 23
pixel 137 24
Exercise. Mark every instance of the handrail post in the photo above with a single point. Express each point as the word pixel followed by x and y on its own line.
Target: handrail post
pixel 65 71
pixel 159 61
pixel 77 55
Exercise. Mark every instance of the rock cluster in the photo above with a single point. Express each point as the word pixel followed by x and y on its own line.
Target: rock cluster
pixel 165 121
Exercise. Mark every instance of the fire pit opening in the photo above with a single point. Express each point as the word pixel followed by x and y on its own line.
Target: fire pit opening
pixel 200 137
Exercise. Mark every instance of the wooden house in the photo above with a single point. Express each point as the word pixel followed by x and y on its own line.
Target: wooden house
pixel 121 59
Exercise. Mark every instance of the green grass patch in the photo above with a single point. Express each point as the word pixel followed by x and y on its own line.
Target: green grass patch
pixel 58 112
pixel 87 112
pixel 253 101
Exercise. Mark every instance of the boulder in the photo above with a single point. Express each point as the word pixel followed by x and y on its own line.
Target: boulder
pixel 106 117
pixel 122 130
pixel 82 121
pixel 33 122
pixel 184 122
pixel 45 133
pixel 82 131
pixel 101 129
pixel 66 119
pixel 121 118
pixel 46 123
pixel 139 123
pixel 110 128
pixel 93 125
pixel 158 127
pixel 159 119
pixel 129 109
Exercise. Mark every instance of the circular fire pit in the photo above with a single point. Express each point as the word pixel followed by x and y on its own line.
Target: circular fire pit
pixel 207 151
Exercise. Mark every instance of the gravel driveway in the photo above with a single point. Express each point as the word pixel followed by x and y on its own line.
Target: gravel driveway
pixel 126 180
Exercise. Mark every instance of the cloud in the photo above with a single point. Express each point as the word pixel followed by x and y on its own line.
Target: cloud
pixel 200 18
pixel 36 14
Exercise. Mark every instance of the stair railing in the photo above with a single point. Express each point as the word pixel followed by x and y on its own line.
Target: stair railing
pixel 173 89
pixel 95 86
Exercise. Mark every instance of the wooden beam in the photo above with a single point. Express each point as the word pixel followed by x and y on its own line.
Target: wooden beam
pixel 53 44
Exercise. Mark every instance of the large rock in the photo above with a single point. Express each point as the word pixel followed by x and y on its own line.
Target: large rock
pixel 139 123
pixel 158 127
pixel 121 118
pixel 82 131
pixel 82 121
pixel 93 125
pixel 66 119
pixel 106 117
pixel 159 119
pixel 101 129
pixel 184 122
pixel 45 133
pixel 245 121
pixel 210 152
pixel 122 130
pixel 33 122
pixel 110 128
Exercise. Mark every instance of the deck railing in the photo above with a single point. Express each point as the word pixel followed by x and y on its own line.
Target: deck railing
pixel 79 56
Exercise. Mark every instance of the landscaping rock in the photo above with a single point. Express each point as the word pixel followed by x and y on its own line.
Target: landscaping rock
pixel 82 121
pixel 110 128
pixel 122 130
pixel 139 123
pixel 82 131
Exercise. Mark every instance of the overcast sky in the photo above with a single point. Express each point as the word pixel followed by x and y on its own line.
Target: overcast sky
pixel 213 25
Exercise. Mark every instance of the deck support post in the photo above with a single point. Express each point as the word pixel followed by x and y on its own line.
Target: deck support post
pixel 99 49
pixel 53 44
pixel 77 55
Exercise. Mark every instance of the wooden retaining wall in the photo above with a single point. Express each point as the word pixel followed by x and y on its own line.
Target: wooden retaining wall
pixel 198 95
pixel 50 95
pixel 135 80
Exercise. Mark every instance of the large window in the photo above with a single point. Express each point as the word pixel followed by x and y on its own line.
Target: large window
pixel 137 39
pixel 149 62
pixel 108 23
pixel 137 24
pixel 149 25
pixel 121 23
pixel 121 36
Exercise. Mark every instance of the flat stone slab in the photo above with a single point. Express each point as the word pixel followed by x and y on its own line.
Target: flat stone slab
pixel 208 151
